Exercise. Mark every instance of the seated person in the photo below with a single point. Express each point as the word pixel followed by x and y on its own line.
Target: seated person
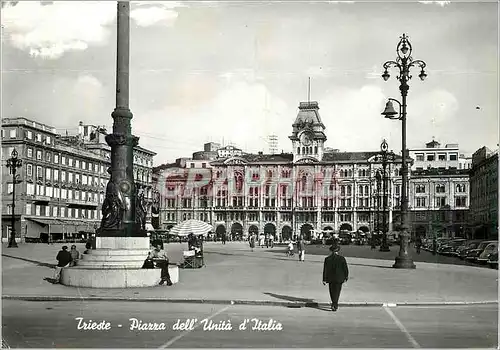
pixel 159 257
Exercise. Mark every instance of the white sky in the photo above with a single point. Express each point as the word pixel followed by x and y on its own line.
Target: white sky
pixel 236 71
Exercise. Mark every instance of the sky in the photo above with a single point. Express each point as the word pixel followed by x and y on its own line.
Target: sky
pixel 235 72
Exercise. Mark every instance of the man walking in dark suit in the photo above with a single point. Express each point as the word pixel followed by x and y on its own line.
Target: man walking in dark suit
pixel 335 272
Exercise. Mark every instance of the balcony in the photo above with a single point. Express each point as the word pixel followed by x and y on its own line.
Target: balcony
pixel 285 208
pixel 306 208
pixel 344 208
pixel 362 208
pixel 40 198
pixel 81 203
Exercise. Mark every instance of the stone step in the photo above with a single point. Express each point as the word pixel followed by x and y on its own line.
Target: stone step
pixel 110 264
pixel 113 258
pixel 102 251
pixel 114 277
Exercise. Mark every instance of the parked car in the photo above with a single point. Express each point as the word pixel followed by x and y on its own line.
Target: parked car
pixel 463 250
pixel 473 254
pixel 489 249
pixel 450 247
pixel 493 260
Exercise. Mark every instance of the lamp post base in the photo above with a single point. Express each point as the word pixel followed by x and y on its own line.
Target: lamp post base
pixel 12 244
pixel 404 263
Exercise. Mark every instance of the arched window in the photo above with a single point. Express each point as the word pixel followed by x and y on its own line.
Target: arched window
pixel 269 173
pixel 310 150
pixel 298 150
pixel 303 150
pixel 315 149
pixel 349 174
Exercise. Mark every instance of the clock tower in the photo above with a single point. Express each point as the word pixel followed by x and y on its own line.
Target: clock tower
pixel 308 135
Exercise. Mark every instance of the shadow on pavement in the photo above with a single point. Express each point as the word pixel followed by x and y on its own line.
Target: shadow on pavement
pixel 251 256
pixel 39 263
pixel 310 303
pixel 368 265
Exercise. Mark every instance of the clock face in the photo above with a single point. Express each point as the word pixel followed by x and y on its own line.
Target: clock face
pixel 306 139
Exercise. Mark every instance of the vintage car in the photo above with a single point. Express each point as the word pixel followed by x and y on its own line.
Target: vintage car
pixel 489 249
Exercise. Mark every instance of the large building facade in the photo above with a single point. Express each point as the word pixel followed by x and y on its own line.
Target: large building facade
pixel 484 193
pixel 63 179
pixel 439 191
pixel 308 191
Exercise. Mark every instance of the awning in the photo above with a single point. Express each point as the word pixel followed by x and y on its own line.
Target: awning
pixel 46 221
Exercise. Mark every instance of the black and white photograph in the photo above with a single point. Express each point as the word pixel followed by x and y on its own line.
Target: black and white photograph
pixel 249 174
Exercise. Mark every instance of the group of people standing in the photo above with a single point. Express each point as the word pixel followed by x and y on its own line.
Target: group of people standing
pixel 263 240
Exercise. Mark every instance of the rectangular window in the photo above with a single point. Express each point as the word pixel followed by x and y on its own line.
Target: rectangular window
pixel 430 157
pixel 54 211
pixel 56 174
pixel 29 153
pixel 63 160
pixel 56 158
pixel 420 157
pixel 63 212
pixel 70 161
pixel 47 174
pixel 29 169
pixel 47 140
pixel 39 137
pixel 28 208
pixel 461 201
pixel 77 163
pixel 453 156
pixel 30 189
pixel 440 202
pixel 37 210
pixel 442 157
pixel 420 202
pixel 39 173
pixel 39 155
pixel 84 165
pixel 63 176
pixel 13 133
pixel 70 177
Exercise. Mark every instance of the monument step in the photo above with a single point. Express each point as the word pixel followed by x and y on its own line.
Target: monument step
pixel 110 264
pixel 115 277
pixel 101 251
pixel 140 257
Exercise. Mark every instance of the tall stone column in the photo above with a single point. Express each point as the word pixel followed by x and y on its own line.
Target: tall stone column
pixel 122 214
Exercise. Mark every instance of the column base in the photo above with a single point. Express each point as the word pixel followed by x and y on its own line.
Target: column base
pixel 404 263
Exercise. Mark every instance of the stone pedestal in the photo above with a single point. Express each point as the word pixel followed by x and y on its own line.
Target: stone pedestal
pixel 116 263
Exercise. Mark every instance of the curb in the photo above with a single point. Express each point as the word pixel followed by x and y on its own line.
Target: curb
pixel 292 304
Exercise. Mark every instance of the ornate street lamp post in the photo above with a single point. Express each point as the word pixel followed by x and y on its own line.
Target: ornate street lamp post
pixel 13 163
pixel 384 157
pixel 378 178
pixel 403 63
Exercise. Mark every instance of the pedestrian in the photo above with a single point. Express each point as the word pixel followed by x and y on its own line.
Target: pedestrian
pixel 434 246
pixel 63 260
pixel 301 247
pixel 75 255
pixel 223 238
pixel 271 241
pixel 252 241
pixel 267 240
pixel 289 252
pixel 88 248
pixel 418 244
pixel 160 258
pixel 335 273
